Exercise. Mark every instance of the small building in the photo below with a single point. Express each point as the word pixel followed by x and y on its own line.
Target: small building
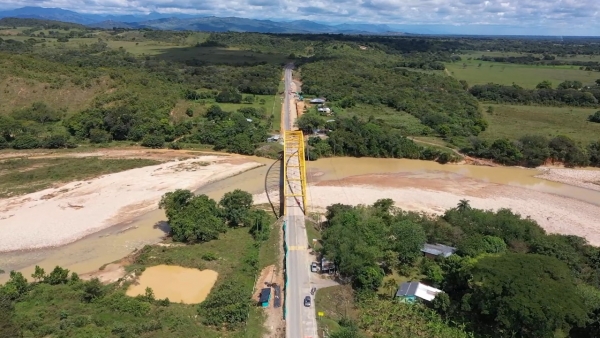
pixel 265 296
pixel 327 266
pixel 324 110
pixel 410 292
pixel 437 250
pixel 317 101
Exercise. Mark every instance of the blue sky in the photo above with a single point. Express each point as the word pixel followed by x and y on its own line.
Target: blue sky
pixel 548 17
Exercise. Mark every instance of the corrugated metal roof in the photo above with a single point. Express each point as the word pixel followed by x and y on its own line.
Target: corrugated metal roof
pixel 417 289
pixel 438 249
pixel 407 289
pixel 265 294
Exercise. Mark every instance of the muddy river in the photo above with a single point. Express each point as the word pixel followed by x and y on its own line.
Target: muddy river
pixel 111 244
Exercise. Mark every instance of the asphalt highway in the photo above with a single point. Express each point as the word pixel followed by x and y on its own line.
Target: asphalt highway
pixel 300 320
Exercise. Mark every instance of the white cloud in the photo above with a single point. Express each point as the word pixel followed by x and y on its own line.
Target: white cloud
pixel 575 16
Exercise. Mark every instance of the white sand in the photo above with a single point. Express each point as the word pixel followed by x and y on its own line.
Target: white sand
pixel 553 213
pixel 589 179
pixel 58 216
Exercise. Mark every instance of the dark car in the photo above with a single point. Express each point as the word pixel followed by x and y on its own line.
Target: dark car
pixel 307 301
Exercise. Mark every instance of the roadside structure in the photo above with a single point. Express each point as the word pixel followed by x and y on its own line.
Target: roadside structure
pixel 410 292
pixel 437 250
pixel 265 296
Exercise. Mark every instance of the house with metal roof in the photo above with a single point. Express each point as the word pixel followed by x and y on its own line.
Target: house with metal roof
pixel 410 292
pixel 437 250
pixel 318 101
pixel 265 295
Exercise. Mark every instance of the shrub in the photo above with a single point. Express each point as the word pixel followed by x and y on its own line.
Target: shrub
pixel 100 136
pixel 153 141
pixel 25 141
pixel 209 256
pixel 55 141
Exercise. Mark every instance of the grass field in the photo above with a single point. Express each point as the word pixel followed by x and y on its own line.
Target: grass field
pixel 524 75
pixel 476 54
pixel 515 121
pixel 403 121
pixel 336 303
pixel 21 176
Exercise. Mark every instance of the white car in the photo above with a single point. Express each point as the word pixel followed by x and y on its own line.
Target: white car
pixel 314 267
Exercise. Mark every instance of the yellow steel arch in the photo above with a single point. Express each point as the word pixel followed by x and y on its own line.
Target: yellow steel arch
pixel 294 168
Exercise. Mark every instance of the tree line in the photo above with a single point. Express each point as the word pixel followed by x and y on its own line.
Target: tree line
pixel 545 60
pixel 535 150
pixel 515 94
pixel 502 259
pixel 364 138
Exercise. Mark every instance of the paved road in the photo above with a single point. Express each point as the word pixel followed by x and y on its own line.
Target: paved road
pixel 300 320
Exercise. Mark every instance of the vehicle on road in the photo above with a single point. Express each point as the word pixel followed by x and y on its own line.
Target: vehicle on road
pixel 314 267
pixel 307 301
pixel 313 290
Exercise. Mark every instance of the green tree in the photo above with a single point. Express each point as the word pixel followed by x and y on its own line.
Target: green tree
pixel 535 149
pixel 515 295
pixel 153 141
pixel 595 117
pixel 93 290
pixel 57 276
pixel 39 274
pixel 229 96
pixel 594 153
pixel 309 122
pixel 505 152
pixel 192 218
pixel 100 136
pixel 369 278
pixel 463 205
pixel 409 238
pixel 544 85
pixel 25 141
pixel 55 141
pixel 15 287
pixel 38 112
pixel 236 205
pixel 215 113
pixel 391 286
pixel 477 244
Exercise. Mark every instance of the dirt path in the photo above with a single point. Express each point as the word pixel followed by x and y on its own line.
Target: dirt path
pixel 274 323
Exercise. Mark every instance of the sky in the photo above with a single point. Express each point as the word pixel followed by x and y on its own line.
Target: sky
pixel 547 17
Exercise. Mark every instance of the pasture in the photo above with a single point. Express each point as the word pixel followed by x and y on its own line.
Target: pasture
pixel 513 122
pixel 528 76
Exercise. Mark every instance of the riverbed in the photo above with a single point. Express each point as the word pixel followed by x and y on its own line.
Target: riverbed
pixel 333 180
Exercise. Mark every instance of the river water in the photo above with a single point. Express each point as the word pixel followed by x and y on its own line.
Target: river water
pixel 114 243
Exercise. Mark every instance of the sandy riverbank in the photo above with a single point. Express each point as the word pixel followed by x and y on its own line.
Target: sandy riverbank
pixel 435 192
pixel 64 214
pixel 589 179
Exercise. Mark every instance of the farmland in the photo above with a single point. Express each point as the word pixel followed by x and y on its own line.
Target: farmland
pixel 528 76
pixel 513 122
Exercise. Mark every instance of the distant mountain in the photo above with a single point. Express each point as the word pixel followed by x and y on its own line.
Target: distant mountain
pixel 195 23
pixel 57 14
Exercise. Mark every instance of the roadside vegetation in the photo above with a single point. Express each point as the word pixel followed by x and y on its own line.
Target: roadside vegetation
pixel 58 303
pixel 501 259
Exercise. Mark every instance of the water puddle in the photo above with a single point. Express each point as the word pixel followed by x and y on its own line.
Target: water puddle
pixel 179 284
